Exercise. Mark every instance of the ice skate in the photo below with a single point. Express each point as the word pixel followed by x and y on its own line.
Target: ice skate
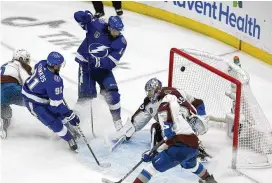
pixel 72 144
pixel 209 179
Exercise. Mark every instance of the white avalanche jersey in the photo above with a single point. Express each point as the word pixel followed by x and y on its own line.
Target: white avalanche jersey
pixel 15 70
pixel 170 111
pixel 147 110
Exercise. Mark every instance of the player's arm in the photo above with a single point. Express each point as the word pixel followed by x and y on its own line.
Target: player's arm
pixel 55 94
pixel 86 20
pixel 197 103
pixel 138 120
pixel 141 117
pixel 24 71
pixel 116 51
pixel 57 105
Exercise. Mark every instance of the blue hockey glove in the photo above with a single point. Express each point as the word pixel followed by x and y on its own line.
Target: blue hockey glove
pixel 146 157
pixel 168 130
pixel 71 118
pixel 88 16
pixel 201 110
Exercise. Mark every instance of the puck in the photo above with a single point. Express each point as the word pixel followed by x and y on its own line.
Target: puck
pixel 182 68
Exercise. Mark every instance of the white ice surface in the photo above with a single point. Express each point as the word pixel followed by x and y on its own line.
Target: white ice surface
pixel 32 153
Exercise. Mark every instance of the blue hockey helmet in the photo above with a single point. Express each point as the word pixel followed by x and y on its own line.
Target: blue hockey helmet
pixel 115 22
pixel 153 88
pixel 55 58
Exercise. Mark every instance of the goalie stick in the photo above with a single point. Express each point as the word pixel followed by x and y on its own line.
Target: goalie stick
pixel 104 180
pixel 104 165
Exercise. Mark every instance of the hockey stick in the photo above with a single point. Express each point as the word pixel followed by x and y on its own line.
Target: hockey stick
pixel 104 165
pixel 89 71
pixel 104 180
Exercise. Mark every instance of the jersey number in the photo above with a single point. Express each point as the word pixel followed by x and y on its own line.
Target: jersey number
pixel 58 90
pixel 32 81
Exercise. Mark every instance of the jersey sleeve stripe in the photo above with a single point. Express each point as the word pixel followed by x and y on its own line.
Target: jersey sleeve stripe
pixel 113 59
pixel 55 103
pixel 81 58
pixel 35 98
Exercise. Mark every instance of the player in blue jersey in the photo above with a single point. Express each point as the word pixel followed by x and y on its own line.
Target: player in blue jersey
pixel 43 97
pixel 98 54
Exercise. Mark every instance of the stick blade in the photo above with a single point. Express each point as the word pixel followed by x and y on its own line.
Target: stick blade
pixel 104 180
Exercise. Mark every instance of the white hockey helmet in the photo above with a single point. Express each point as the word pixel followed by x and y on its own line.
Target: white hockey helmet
pixel 21 55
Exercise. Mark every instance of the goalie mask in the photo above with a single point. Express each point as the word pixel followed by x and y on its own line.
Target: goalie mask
pixel 153 89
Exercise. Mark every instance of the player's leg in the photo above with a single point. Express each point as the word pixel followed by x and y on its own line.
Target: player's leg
pixel 112 96
pixel 86 84
pixel 188 158
pixel 118 7
pixel 99 9
pixel 10 94
pixel 160 163
pixel 52 121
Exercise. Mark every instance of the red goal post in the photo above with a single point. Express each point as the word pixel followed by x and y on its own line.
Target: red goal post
pixel 209 77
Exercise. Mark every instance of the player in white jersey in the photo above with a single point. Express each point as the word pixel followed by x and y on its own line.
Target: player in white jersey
pixel 13 75
pixel 193 110
pixel 180 143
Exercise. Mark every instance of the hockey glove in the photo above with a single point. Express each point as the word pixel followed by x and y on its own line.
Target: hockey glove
pixel 168 130
pixel 201 109
pixel 71 118
pixel 83 17
pixel 147 157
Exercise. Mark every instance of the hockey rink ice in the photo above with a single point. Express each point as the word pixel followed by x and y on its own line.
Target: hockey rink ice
pixel 33 154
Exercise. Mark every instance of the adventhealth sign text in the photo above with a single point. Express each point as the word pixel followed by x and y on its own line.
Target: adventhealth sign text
pixel 222 13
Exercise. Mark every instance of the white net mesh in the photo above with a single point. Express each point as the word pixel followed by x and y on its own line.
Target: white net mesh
pixel 255 133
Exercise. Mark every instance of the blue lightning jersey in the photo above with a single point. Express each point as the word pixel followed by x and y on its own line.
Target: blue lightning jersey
pixel 45 87
pixel 100 43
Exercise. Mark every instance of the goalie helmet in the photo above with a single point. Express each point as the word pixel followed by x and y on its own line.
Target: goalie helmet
pixel 153 89
pixel 21 55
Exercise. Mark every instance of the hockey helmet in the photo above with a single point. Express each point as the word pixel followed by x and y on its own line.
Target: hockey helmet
pixel 55 58
pixel 21 55
pixel 153 88
pixel 115 23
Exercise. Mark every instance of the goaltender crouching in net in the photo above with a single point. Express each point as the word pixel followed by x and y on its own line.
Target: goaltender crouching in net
pixel 181 144
pixel 43 97
pixel 192 109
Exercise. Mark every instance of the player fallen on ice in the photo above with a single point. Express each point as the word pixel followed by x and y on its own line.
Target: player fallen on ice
pixel 193 111
pixel 13 75
pixel 98 54
pixel 181 144
pixel 43 97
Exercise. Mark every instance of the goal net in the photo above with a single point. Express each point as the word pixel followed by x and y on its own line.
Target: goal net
pixel 224 87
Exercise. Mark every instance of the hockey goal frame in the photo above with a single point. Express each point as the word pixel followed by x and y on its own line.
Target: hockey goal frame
pixel 231 79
